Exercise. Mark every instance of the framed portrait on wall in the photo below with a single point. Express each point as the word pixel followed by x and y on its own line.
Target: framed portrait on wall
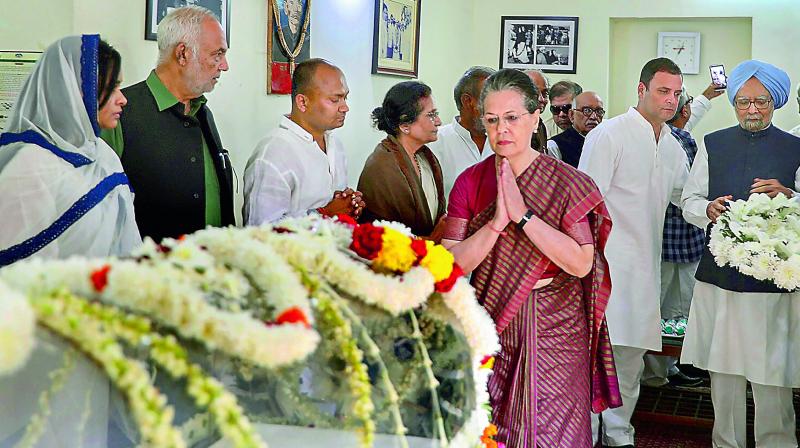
pixel 288 41
pixel 158 9
pixel 395 41
pixel 549 44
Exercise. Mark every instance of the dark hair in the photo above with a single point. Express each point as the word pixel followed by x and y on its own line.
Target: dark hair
pixel 400 106
pixel 303 75
pixel 512 79
pixel 564 87
pixel 109 63
pixel 658 65
pixel 469 83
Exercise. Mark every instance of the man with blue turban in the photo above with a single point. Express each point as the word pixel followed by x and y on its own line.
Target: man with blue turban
pixel 742 329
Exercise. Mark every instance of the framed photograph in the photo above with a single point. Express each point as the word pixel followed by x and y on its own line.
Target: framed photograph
pixel 288 41
pixel 395 41
pixel 157 9
pixel 549 44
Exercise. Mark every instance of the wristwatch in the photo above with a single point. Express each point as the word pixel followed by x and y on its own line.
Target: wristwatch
pixel 524 220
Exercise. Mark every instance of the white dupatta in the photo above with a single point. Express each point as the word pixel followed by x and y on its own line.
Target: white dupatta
pixel 62 189
pixel 62 193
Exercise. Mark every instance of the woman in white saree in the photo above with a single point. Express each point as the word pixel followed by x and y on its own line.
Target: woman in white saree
pixel 63 193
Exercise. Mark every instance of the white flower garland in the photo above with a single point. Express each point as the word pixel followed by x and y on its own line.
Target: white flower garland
pixel 270 273
pixel 760 237
pixel 393 294
pixel 160 292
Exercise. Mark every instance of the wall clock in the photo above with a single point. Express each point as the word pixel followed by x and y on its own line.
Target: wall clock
pixel 683 48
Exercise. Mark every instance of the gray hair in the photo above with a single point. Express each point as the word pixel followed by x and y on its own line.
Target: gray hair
pixel 469 83
pixel 540 73
pixel 512 79
pixel 564 87
pixel 181 25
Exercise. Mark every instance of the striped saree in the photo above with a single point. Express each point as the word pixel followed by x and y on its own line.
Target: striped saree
pixel 555 363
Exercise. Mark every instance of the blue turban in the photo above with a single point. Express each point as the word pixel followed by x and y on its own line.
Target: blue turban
pixel 774 79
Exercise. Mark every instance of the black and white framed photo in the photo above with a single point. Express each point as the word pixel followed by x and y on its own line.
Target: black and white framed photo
pixel 158 9
pixel 546 43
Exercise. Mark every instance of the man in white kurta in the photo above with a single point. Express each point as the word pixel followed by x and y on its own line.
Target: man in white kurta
pixel 640 168
pixel 300 167
pixel 741 329
pixel 457 146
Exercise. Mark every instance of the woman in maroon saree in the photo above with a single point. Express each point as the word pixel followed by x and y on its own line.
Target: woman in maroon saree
pixel 532 230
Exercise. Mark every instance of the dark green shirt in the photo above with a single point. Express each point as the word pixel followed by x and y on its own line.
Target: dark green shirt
pixel 165 100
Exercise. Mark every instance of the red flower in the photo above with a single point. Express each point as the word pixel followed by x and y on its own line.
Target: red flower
pixel 293 315
pixel 99 278
pixel 419 248
pixel 367 241
pixel 346 219
pixel 447 284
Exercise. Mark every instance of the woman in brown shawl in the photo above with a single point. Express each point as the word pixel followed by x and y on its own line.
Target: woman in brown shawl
pixel 402 179
pixel 532 230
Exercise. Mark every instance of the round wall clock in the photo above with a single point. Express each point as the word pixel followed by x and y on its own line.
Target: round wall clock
pixel 683 48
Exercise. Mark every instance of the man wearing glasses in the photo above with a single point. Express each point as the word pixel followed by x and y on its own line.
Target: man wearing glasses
pixel 587 112
pixel 561 96
pixel 742 329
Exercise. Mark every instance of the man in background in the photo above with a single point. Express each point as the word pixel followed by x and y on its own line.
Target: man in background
pixel 463 142
pixel 539 140
pixel 561 95
pixel 167 128
pixel 585 114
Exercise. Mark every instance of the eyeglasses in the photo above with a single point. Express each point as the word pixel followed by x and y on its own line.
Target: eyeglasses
pixel 760 102
pixel 433 115
pixel 588 111
pixel 564 108
pixel 491 121
pixel 691 98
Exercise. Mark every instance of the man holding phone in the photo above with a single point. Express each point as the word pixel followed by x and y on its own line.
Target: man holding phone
pixel 702 104
pixel 742 329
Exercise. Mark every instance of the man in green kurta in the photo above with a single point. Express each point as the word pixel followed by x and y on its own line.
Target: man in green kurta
pixel 167 139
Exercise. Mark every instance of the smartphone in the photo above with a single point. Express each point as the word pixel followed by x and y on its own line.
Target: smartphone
pixel 718 77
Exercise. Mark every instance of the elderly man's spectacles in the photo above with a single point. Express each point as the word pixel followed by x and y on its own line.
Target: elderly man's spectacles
pixel 491 121
pixel 588 111
pixel 761 103
pixel 564 108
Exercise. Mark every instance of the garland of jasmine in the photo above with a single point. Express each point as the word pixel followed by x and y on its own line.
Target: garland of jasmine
pixel 160 291
pixel 165 350
pixel 265 274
